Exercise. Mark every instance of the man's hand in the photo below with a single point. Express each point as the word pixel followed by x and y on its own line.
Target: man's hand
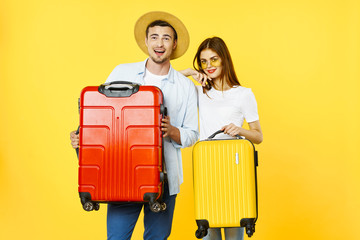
pixel 169 130
pixel 74 139
pixel 166 127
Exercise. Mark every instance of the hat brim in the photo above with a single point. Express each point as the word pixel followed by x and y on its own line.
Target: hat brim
pixel 182 33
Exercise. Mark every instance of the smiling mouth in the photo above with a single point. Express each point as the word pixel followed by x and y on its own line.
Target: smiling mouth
pixel 159 52
pixel 211 71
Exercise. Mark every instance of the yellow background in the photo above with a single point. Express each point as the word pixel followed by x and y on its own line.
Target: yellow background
pixel 301 58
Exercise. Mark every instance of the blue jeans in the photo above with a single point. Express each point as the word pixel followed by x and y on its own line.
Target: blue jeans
pixel 121 219
pixel 236 233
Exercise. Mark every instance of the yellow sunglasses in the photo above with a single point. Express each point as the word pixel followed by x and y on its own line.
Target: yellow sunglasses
pixel 214 61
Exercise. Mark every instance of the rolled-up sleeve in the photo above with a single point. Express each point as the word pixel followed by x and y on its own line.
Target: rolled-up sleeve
pixel 189 129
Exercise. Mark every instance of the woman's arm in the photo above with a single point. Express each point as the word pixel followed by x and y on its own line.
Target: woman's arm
pixel 198 76
pixel 254 134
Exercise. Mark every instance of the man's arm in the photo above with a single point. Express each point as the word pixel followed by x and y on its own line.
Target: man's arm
pixel 189 129
pixel 197 76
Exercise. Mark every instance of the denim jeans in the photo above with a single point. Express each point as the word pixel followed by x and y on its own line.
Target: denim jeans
pixel 121 219
pixel 236 233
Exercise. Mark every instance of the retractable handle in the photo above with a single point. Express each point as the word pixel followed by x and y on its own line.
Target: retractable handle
pixel 118 89
pixel 221 131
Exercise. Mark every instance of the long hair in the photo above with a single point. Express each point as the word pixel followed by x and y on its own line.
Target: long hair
pixel 228 74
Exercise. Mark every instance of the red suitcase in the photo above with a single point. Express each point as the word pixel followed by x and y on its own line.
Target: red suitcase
pixel 120 153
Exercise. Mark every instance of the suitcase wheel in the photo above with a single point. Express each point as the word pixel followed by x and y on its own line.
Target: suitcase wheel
pixel 249 224
pixel 96 206
pixel 201 232
pixel 203 226
pixel 250 230
pixel 163 206
pixel 88 206
pixel 155 207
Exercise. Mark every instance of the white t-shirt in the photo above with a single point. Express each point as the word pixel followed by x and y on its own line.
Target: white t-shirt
pixel 220 108
pixel 151 79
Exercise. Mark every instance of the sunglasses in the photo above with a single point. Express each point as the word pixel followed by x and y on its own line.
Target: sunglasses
pixel 214 61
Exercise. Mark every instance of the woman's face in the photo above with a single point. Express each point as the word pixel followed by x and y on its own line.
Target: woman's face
pixel 211 63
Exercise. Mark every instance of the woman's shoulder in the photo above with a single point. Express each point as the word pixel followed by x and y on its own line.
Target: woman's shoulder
pixel 241 90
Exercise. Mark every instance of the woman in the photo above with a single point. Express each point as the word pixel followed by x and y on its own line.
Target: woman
pixel 223 104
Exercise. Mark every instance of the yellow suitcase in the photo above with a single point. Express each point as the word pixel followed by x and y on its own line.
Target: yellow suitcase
pixel 225 184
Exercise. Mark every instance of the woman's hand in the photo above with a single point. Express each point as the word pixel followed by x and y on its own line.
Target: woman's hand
pixel 201 78
pixel 197 76
pixel 254 134
pixel 231 130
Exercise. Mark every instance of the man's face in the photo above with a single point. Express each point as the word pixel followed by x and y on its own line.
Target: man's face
pixel 160 43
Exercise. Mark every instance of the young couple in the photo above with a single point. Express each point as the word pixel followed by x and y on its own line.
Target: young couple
pixel 223 104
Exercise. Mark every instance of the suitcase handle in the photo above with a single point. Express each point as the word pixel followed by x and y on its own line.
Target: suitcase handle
pixel 77 149
pixel 118 89
pixel 221 131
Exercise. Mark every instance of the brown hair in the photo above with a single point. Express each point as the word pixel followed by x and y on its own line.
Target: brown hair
pixel 161 24
pixel 228 74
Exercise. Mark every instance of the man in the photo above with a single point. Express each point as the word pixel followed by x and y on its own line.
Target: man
pixel 163 37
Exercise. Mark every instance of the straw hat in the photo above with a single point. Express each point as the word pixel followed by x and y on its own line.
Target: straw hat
pixel 182 34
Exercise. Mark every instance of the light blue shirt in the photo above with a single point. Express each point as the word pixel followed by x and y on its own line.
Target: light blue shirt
pixel 180 99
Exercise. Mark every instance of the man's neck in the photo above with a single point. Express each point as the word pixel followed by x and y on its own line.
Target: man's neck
pixel 158 68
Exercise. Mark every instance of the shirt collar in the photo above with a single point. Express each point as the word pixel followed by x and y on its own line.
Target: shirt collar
pixel 169 77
